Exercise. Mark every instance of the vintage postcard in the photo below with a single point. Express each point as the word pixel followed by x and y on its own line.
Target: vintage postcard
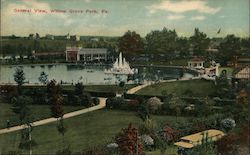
pixel 115 77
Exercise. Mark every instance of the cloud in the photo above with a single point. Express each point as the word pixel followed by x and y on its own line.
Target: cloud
pixel 175 17
pixel 183 6
pixel 12 21
pixel 87 1
pixel 197 18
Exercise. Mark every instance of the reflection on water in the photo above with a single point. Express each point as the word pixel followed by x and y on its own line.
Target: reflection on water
pixel 71 73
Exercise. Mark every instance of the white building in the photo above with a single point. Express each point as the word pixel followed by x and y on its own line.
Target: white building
pixel 196 63
pixel 86 54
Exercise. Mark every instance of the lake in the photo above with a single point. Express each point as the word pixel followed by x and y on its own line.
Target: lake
pixel 87 74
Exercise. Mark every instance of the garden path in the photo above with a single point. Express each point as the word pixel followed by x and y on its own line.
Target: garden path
pixel 101 105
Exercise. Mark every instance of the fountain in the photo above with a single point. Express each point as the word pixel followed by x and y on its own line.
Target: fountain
pixel 121 66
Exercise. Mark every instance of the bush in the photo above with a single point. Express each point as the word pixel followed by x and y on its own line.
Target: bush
pixel 115 102
pixel 132 105
pixel 228 124
pixel 147 127
pixel 154 104
pixel 86 100
pixel 96 101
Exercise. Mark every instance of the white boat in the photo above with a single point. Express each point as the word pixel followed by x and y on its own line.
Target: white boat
pixel 121 66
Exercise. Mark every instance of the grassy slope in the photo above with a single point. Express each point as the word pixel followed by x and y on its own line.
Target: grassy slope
pixel 84 131
pixel 38 112
pixel 198 87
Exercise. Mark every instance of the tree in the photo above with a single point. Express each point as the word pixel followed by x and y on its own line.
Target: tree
pixel 164 41
pixel 199 41
pixel 242 98
pixel 84 97
pixel 222 85
pixel 43 78
pixel 27 142
pixel 61 129
pixel 128 141
pixel 20 107
pixel 19 78
pixel 79 88
pixel 183 46
pixel 130 43
pixel 55 99
pixel 229 48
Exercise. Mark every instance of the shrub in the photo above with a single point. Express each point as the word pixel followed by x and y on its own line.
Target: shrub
pixel 228 124
pixel 114 103
pixel 96 101
pixel 147 140
pixel 154 104
pixel 127 139
pixel 147 127
pixel 168 134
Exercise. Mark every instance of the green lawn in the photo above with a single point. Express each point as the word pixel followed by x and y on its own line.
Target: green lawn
pixel 38 112
pixel 171 150
pixel 84 131
pixel 198 87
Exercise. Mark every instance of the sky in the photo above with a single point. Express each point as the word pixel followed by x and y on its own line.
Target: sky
pixel 115 17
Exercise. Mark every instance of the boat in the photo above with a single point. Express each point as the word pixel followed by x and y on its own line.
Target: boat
pixel 121 66
pixel 90 71
pixel 50 66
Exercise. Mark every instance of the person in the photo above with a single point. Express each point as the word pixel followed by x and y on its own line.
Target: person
pixel 8 124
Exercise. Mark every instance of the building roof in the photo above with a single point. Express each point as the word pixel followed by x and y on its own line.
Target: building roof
pixel 196 59
pixel 238 69
pixel 93 51
pixel 48 53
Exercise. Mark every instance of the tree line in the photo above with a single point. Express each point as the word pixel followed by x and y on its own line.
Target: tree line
pixel 164 42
